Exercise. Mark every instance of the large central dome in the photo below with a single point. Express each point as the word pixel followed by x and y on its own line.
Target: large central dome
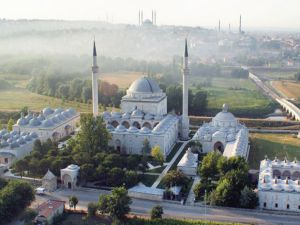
pixel 144 85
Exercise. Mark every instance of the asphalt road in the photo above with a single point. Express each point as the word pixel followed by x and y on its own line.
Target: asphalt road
pixel 143 207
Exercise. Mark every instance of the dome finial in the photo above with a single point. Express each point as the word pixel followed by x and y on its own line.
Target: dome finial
pixel 225 107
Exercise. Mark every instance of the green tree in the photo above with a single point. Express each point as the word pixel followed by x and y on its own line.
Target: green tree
pixel 92 209
pixel 115 177
pixel 208 168
pixel 73 201
pixel 157 154
pixel 146 149
pixel 116 204
pixel 199 103
pixel 175 178
pixel 87 172
pixel 157 212
pixel 131 178
pixel 93 136
pixel 28 216
pixel 20 166
pixel 248 198
pixel 10 124
pixel 225 165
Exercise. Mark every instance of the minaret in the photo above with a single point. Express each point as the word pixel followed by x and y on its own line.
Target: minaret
pixel 95 71
pixel 185 99
pixel 219 25
pixel 240 27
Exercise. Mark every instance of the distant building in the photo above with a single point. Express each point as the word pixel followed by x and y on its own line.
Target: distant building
pixel 15 145
pixel 224 134
pixel 279 185
pixel 50 123
pixel 48 210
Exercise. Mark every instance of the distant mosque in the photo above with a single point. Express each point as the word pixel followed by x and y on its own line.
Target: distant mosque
pixel 147 22
pixel 144 115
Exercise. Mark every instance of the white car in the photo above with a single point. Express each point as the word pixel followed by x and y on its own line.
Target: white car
pixel 40 191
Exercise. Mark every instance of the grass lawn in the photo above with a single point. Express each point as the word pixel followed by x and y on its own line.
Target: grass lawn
pixel 16 98
pixel 173 151
pixel 157 170
pixel 239 94
pixel 272 145
pixel 148 180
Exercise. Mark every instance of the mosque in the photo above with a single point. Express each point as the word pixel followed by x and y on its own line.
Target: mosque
pixel 144 115
pixel 225 134
pixel 279 184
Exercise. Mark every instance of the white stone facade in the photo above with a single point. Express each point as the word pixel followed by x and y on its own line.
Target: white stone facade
pixel 143 116
pixel 279 185
pixel 225 134
pixel 15 145
pixel 50 123
pixel 69 176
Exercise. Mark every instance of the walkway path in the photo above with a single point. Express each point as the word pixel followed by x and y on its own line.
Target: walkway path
pixel 191 197
pixel 164 172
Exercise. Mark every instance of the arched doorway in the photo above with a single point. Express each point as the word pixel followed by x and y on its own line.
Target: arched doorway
pixel 118 145
pixel 155 124
pixel 148 125
pixel 55 136
pixel 218 146
pixel 126 124
pixel 286 174
pixel 68 129
pixel 115 123
pixel 137 125
pixel 276 173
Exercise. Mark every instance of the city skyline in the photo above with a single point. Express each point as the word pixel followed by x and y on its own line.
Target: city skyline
pixel 191 12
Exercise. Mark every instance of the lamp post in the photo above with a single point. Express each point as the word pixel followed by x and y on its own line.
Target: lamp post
pixel 205 204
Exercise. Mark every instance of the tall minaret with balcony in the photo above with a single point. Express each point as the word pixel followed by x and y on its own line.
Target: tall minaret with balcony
pixel 185 96
pixel 95 71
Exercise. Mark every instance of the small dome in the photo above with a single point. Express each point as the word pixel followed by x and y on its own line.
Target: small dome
pixel 56 119
pixel 58 110
pixel 133 129
pixel 33 135
pixel 13 133
pixel 61 117
pixel 110 127
pixel 71 111
pixel 29 116
pixel 3 131
pixel 22 121
pixel 41 117
pixel 66 114
pixel 145 130
pixel 10 140
pixel 6 136
pixel 27 138
pixel 34 122
pixel 120 128
pixel 137 113
pixel 144 85
pixel 106 114
pixel 126 115
pixel 47 123
pixel 73 167
pixel 47 111
pixel 116 115
pixel 21 141
pixel 219 134
pixel 14 145
pixel 4 143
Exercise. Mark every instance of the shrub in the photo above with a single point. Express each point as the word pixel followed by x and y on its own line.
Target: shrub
pixel 157 212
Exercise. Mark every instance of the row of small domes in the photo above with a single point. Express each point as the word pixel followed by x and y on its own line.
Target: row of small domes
pixel 47 118
pixel 14 139
pixel 131 129
pixel 134 114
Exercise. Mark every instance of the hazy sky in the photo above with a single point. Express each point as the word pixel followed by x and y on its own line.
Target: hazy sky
pixel 256 13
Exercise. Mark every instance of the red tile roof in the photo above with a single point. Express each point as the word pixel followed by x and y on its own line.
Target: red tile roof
pixel 49 207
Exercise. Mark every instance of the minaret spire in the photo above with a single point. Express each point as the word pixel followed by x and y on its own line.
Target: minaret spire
pixel 185 98
pixel 95 71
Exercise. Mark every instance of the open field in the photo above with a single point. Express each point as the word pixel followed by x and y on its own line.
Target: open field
pixel 17 98
pixel 240 94
pixel 122 79
pixel 272 75
pixel 272 145
pixel 289 89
